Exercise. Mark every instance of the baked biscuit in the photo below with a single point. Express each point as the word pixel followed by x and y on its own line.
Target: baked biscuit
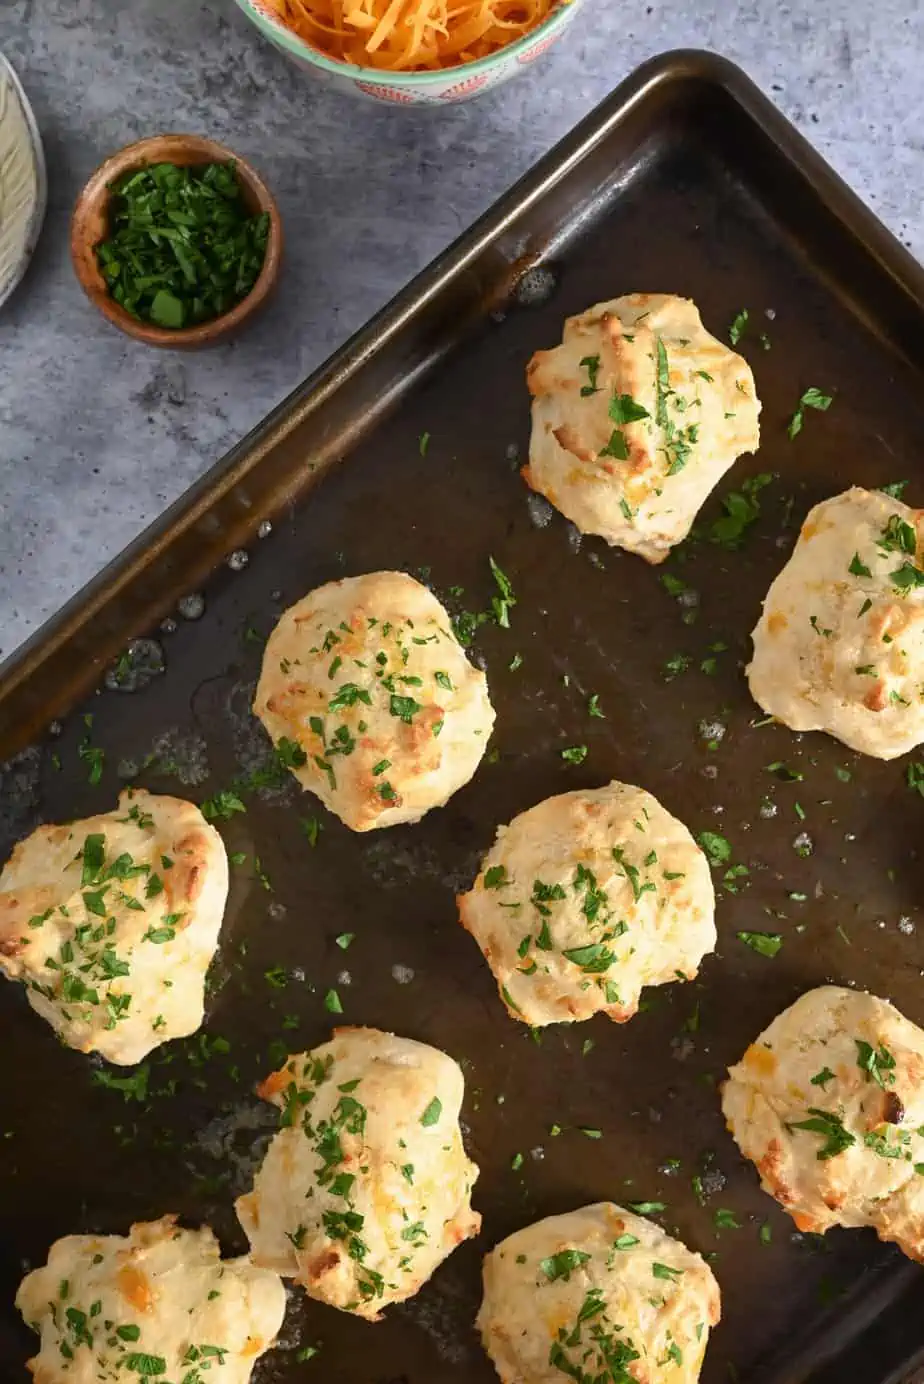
pixel 387 715
pixel 111 923
pixel 637 416
pixel 586 898
pixel 828 1103
pixel 597 1294
pixel 840 644
pixel 159 1302
pixel 366 1187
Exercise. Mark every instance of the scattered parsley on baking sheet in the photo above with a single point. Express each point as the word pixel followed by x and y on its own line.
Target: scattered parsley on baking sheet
pixel 764 943
pixel 717 849
pixel 736 330
pixel 741 510
pixel 574 754
pixel 134 1087
pixel 914 777
pixel 812 398
pixel 312 829
pixel 221 806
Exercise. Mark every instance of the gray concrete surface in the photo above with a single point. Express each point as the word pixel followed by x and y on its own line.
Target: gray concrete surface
pixel 98 434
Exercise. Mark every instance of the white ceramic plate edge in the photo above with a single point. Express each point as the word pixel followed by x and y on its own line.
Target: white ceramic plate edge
pixel 34 230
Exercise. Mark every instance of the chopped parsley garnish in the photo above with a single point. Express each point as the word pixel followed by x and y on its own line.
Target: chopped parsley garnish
pixel 332 1002
pixel 646 1208
pixel 423 443
pixel 678 442
pixel 812 398
pixel 93 757
pixel 625 409
pixel 593 707
pixel 350 694
pixel 563 1264
pixel 221 806
pixel 823 1077
pixel 717 849
pixel 289 754
pixel 914 777
pixel 784 773
pixel 741 508
pixel 674 666
pixel 895 490
pixel 182 246
pixel 592 365
pixel 93 856
pixel 134 1087
pixel 898 537
pixel 544 894
pixel 626 1241
pixel 617 447
pixel 764 943
pixel 343 939
pixel 665 1271
pixel 495 877
pixel 432 1113
pixel 737 327
pixel 504 601
pixel 726 1220
pixel 878 1063
pixel 878 1141
pixel 142 1363
pixel 858 568
pixel 631 873
pixel 574 754
pixel 831 1128
pixel 405 708
pixel 907 577
pixel 312 829
pixel 592 959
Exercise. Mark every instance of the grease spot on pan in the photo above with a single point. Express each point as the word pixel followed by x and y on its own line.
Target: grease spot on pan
pixel 192 607
pixel 142 662
pixel 535 287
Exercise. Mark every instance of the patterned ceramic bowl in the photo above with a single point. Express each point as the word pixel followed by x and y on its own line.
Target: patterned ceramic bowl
pixel 415 88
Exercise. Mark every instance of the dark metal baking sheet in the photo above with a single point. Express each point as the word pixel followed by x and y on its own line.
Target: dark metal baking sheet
pixel 686 180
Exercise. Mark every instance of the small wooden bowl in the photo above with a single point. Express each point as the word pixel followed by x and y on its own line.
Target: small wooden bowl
pixel 90 226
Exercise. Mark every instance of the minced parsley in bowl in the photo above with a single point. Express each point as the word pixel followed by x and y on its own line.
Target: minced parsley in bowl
pixel 183 248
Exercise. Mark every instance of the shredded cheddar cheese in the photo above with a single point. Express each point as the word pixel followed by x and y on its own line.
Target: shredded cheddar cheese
pixel 410 35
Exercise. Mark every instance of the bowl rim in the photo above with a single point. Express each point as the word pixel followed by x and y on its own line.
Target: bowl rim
pixel 96 193
pixel 379 76
pixel 37 217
